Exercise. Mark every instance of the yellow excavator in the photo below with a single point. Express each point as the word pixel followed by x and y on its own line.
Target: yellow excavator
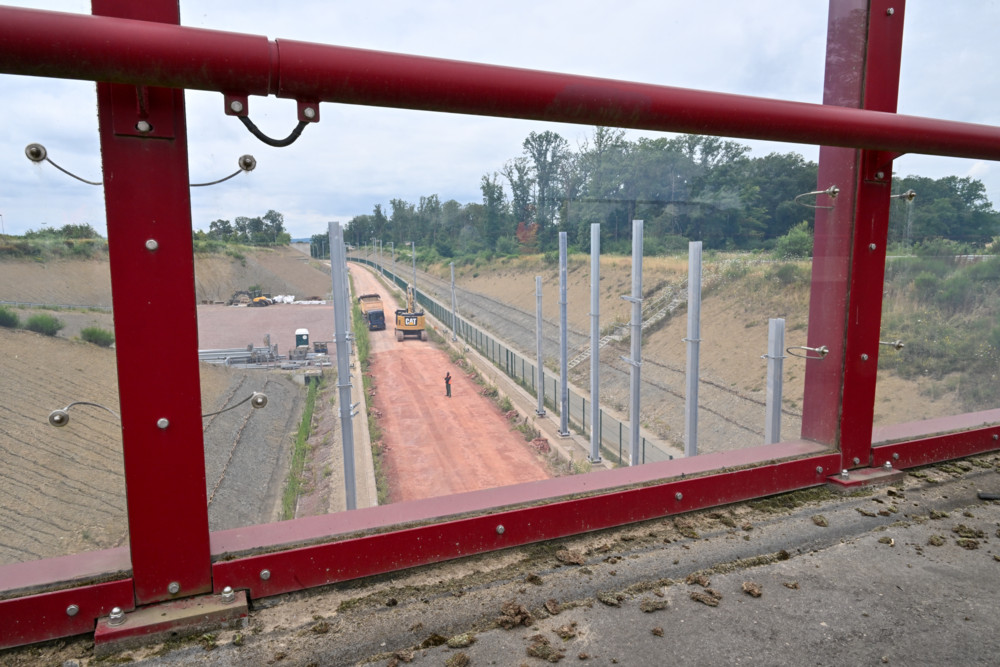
pixel 410 322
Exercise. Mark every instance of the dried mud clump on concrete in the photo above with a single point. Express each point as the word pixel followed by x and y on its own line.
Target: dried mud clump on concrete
pixel 513 614
pixel 570 557
pixel 541 647
pixel 752 589
pixel 709 596
pixel 820 521
pixel 648 605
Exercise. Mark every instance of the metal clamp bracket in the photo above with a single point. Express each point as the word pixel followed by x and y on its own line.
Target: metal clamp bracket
pixel 820 352
pixel 832 191
pixel 894 344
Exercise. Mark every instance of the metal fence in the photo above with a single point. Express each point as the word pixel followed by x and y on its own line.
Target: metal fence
pixel 614 434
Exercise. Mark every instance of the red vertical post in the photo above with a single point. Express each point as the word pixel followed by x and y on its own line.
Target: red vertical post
pixel 845 311
pixel 147 197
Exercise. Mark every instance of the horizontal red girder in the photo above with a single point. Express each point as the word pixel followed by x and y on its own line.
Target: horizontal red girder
pixel 74 46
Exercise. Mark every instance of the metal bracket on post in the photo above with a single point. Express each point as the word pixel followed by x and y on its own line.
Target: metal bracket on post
pixel 877 166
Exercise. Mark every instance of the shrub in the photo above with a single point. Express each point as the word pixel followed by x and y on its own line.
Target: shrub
pixel 788 274
pixel 98 336
pixel 8 318
pixel 44 323
pixel 798 242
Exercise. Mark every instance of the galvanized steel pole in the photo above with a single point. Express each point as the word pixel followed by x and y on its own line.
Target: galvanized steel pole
pixel 595 343
pixel 540 365
pixel 454 309
pixel 341 319
pixel 775 365
pixel 563 342
pixel 413 254
pixel 636 331
pixel 693 340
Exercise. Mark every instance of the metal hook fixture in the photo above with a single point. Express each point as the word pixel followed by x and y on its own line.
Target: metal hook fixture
pixel 247 163
pixel 909 195
pixel 257 400
pixel 37 153
pixel 60 418
pixel 894 344
pixel 832 191
pixel 820 351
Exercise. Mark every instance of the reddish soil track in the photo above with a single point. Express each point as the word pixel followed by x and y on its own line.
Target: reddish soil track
pixel 433 445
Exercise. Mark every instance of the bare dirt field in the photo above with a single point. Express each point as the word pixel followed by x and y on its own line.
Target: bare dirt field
pixel 433 445
pixel 62 490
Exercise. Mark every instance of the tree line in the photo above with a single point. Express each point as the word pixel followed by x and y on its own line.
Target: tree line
pixel 267 229
pixel 685 188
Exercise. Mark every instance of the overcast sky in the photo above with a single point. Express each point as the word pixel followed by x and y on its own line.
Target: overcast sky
pixel 357 157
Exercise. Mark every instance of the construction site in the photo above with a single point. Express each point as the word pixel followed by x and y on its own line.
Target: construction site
pixel 288 459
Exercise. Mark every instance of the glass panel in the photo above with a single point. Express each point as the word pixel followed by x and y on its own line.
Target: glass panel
pixel 942 295
pixel 62 489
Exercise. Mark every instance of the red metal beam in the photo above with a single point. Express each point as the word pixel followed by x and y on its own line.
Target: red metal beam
pixel 863 57
pixel 295 569
pixel 74 46
pixel 73 611
pixel 148 202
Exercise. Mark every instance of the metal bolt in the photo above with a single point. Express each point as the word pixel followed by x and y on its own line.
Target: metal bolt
pixel 116 617
pixel 879 175
pixel 890 11
pixel 265 574
pixel 35 152
pixel 228 595
pixel 236 106
pixel 819 470
pixel 679 495
pixel 58 418
pixel 500 530
pixel 872 246
pixel 259 400
pixel 162 422
pixel 144 126
pixel 174 588
pixel 309 112
pixel 857 461
pixel 72 610
pixel 996 437
pixel 844 474
pixel 864 357
pixel 895 456
pixel 888 465
pixel 152 245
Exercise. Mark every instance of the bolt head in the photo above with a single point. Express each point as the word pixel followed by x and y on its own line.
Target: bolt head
pixel 857 461
pixel 247 162
pixel 35 152
pixel 500 530
pixel 309 112
pixel 259 400
pixel 895 456
pixel 996 437
pixel 872 246
pixel 844 473
pixel 228 595
pixel 58 418
pixel 679 495
pixel 143 126
pixel 819 470
pixel 236 106
pixel 864 357
pixel 890 11
pixel 879 175
pixel 265 574
pixel 162 423
pixel 116 617
pixel 72 610
pixel 888 465
pixel 173 588
pixel 152 245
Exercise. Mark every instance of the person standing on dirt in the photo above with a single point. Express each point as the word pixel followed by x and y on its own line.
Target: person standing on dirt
pixel 447 384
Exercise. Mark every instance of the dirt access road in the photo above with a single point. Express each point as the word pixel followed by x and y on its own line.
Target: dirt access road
pixel 433 445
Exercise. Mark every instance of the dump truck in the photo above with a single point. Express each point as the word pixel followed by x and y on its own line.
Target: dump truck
pixel 371 309
pixel 410 321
